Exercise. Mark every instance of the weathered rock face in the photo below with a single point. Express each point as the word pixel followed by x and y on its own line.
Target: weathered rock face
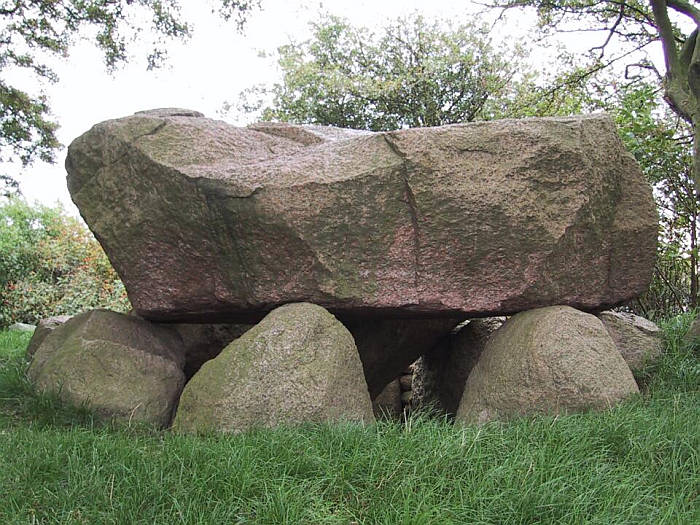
pixel 446 368
pixel 298 364
pixel 388 346
pixel 206 221
pixel 548 360
pixel 639 340
pixel 121 366
pixel 44 328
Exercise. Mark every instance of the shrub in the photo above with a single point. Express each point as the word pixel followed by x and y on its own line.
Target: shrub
pixel 50 264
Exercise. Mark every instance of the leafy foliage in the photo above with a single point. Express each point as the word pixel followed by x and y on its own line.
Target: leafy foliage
pixel 50 265
pixel 412 73
pixel 661 143
pixel 33 30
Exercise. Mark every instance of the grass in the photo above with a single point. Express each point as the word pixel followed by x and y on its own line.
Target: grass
pixel 637 463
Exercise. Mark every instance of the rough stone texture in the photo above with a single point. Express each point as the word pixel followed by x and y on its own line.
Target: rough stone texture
pixel 206 220
pixel 550 360
pixel 121 366
pixel 448 365
pixel 693 333
pixel 203 342
pixel 298 364
pixel 388 346
pixel 388 402
pixel 307 135
pixel 44 328
pixel 21 327
pixel 639 340
pixel 423 391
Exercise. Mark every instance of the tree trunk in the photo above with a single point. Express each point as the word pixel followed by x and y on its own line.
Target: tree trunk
pixel 694 258
pixel 696 154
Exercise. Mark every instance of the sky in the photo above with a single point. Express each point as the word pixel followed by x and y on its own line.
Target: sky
pixel 202 73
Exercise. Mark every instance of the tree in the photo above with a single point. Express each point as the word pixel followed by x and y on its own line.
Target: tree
pixel 661 143
pixel 34 30
pixel 635 24
pixel 413 73
pixel 50 264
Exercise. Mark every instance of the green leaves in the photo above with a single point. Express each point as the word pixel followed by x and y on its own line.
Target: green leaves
pixel 412 73
pixel 25 130
pixel 50 265
pixel 662 144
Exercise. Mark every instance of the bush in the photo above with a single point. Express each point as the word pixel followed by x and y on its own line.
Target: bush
pixel 50 264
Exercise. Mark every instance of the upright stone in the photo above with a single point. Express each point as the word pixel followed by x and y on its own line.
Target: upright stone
pixel 388 403
pixel 120 366
pixel 551 360
pixel 299 364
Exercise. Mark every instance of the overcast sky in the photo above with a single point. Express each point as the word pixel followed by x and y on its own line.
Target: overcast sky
pixel 213 67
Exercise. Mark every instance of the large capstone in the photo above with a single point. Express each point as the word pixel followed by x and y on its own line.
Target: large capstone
pixel 208 222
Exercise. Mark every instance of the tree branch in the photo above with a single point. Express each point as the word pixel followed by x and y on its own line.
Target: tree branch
pixel 684 7
pixel 611 31
pixel 663 23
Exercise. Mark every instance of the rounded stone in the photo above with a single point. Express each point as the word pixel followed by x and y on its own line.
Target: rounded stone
pixel 299 364
pixel 550 360
pixel 120 366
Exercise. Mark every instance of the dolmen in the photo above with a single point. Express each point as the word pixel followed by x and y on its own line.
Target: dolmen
pixel 298 270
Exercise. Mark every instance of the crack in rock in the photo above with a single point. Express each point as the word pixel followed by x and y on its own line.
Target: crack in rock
pixel 413 209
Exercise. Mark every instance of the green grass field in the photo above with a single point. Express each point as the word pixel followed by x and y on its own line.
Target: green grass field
pixel 637 463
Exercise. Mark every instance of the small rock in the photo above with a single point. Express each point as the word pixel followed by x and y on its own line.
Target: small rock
pixel 639 340
pixel 406 380
pixel 45 327
pixel 388 402
pixel 22 327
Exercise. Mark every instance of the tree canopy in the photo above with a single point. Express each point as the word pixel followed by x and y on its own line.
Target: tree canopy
pixel 633 25
pixel 410 73
pixel 31 31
